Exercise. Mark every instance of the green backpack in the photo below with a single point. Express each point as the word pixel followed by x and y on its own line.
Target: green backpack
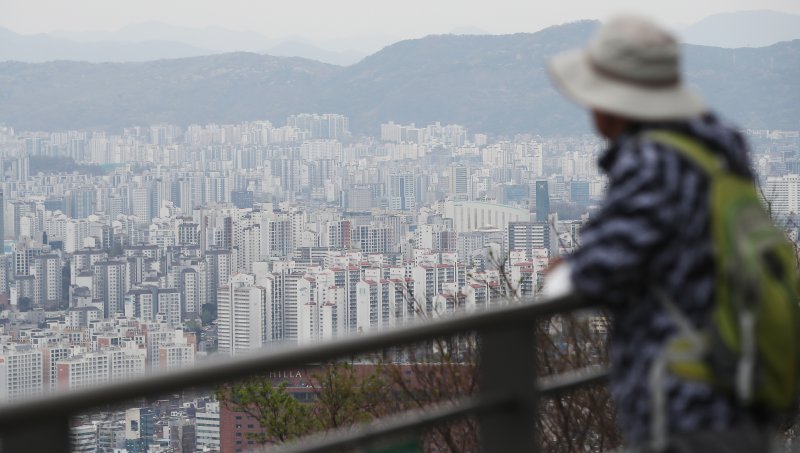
pixel 751 347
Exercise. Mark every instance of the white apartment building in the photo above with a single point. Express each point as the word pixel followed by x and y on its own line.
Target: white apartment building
pixel 477 296
pixel 50 357
pixel 283 318
pixel 159 335
pixel 141 203
pixel 55 225
pixel 176 356
pixel 529 237
pixel 401 191
pixel 21 372
pixel 242 315
pixel 83 260
pixel 249 247
pixel 191 281
pixel 169 306
pixel 83 439
pixel 337 233
pixel 47 269
pixel 126 363
pixel 782 194
pixel 430 280
pixel 475 215
pixel 321 308
pixel 75 233
pixel 391 132
pixel 141 304
pixel 459 180
pixel 376 309
pixel 207 426
pixel 97 368
pixel 110 284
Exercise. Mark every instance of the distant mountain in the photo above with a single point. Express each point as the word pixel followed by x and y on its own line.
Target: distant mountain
pixel 493 84
pixel 744 29
pixel 490 83
pixel 344 50
pixel 469 31
pixel 755 87
pixel 217 39
pixel 311 52
pixel 226 87
pixel 362 44
pixel 41 48
pixel 155 40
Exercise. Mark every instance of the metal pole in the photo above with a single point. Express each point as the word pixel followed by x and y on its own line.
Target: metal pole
pixel 508 366
pixel 50 434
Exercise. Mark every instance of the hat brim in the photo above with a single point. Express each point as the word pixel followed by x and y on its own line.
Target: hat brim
pixel 573 74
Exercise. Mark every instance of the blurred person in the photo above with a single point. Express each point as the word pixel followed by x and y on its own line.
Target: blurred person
pixel 653 231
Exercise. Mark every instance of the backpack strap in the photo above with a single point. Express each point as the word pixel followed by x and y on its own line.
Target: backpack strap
pixel 695 343
pixel 691 148
pixel 714 167
pixel 695 347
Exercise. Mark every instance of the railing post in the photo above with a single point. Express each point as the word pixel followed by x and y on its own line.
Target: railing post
pixel 508 367
pixel 50 434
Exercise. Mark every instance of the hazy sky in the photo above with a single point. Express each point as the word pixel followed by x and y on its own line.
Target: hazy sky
pixel 319 19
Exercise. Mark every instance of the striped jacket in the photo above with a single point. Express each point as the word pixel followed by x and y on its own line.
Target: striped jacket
pixel 653 229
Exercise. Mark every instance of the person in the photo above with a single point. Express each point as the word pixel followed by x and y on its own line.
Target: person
pixel 652 230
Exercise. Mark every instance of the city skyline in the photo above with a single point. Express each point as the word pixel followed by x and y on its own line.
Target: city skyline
pixel 294 232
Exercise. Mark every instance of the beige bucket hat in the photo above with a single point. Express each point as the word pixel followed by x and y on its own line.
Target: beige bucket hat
pixel 631 68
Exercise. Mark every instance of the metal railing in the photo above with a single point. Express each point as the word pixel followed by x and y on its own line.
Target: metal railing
pixel 505 408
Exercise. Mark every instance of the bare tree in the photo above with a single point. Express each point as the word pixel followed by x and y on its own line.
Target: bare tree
pixel 443 371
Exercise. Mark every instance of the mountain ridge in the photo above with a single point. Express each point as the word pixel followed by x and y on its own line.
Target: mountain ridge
pixel 42 48
pixel 756 28
pixel 156 40
pixel 494 84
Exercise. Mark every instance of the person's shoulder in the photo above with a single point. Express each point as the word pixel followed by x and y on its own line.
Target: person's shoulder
pixel 724 140
pixel 640 151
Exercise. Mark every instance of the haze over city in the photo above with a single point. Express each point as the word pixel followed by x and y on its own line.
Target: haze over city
pixel 320 20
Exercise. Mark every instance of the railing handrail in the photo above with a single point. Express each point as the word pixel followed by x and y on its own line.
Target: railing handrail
pixel 285 357
pixel 436 413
